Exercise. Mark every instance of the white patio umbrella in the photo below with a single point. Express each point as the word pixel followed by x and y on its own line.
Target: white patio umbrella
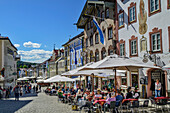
pixel 22 79
pixel 40 81
pixel 52 79
pixel 118 63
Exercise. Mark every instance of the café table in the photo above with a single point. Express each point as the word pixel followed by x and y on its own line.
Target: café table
pixel 131 100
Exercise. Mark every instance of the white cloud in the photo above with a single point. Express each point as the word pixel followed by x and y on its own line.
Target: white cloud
pixel 35 55
pixel 16 45
pixel 30 44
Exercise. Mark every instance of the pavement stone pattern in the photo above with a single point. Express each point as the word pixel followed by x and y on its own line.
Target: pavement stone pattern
pixel 46 104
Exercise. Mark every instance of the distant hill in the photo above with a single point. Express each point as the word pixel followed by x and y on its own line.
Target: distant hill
pixel 22 63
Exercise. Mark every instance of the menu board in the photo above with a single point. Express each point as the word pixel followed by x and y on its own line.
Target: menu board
pixel 156 75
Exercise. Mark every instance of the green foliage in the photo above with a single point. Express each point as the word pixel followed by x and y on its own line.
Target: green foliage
pixel 24 66
pixel 20 66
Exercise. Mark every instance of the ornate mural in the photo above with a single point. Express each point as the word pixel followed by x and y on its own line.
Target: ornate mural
pixel 142 16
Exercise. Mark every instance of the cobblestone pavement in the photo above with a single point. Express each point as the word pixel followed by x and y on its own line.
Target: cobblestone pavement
pixel 37 104
pixel 42 103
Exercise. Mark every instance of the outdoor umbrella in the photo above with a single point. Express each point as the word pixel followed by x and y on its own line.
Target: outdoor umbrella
pixel 118 63
pixel 59 78
pixel 22 79
pixel 52 79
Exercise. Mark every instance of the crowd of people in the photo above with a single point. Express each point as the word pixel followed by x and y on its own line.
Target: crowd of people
pixel 18 91
pixel 66 93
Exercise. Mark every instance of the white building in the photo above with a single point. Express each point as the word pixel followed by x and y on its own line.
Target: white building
pixel 8 60
pixel 144 32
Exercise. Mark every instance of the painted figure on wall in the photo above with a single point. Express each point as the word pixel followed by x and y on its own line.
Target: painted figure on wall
pixel 142 16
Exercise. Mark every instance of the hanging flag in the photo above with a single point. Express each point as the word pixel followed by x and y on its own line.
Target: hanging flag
pixel 100 31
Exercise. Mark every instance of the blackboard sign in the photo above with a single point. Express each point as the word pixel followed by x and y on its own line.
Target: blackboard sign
pixel 142 81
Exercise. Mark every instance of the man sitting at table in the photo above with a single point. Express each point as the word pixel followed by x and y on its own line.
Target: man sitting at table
pixel 119 98
pixel 98 95
pixel 60 94
pixel 136 94
pixel 129 93
pixel 157 88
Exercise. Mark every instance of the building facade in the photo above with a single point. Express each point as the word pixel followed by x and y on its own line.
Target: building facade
pixel 105 14
pixel 8 62
pixel 144 32
pixel 73 49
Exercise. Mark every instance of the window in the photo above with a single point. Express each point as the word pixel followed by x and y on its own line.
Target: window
pixel 132 13
pixel 98 11
pixel 122 48
pixel 91 24
pixel 133 47
pixel 107 13
pixel 97 38
pixel 103 53
pixel 104 34
pixel 134 80
pixel 124 81
pixel 88 25
pixel 110 33
pixel 133 44
pixel 86 57
pixel 97 55
pixel 91 56
pixel 110 50
pixel 121 19
pixel 156 46
pixel 87 42
pixel 103 16
pixel 168 4
pixel 156 40
pixel 91 41
pixel 154 6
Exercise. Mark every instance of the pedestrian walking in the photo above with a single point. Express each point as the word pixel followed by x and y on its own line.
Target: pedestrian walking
pixel 157 88
pixel 16 92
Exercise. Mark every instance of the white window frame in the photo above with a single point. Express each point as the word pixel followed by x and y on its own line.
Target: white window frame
pixel 103 16
pixel 97 37
pixel 156 42
pixel 133 47
pixel 122 48
pixel 121 20
pixel 110 34
pixel 132 15
pixel 154 5
pixel 107 13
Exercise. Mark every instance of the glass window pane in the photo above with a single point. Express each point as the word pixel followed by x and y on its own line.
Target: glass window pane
pixel 156 5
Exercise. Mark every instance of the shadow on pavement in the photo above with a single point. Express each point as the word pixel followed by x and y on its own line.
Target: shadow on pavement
pixel 10 106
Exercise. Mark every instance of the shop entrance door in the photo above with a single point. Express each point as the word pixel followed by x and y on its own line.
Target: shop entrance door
pixel 158 74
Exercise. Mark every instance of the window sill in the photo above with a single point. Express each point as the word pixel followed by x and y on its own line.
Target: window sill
pixel 130 22
pixel 122 26
pixel 134 55
pixel 159 51
pixel 154 12
pixel 110 38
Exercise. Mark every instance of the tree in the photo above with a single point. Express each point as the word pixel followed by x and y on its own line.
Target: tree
pixel 20 66
pixel 24 66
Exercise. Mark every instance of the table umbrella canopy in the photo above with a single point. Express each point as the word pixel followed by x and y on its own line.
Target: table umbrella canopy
pixel 166 66
pixel 74 71
pixel 58 78
pixel 40 81
pixel 120 63
pixel 22 79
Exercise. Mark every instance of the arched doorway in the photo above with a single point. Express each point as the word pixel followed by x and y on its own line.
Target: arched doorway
pixel 103 53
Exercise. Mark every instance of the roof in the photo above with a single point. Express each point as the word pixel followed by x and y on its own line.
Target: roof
pixel 79 35
pixel 88 9
pixel 6 38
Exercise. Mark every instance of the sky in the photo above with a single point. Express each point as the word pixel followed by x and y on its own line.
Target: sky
pixel 34 26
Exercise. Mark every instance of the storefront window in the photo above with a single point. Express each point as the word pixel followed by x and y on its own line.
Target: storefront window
pixel 134 80
pixel 124 81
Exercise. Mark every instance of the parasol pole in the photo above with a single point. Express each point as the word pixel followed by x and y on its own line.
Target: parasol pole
pixel 115 82
pixel 80 81
pixel 92 81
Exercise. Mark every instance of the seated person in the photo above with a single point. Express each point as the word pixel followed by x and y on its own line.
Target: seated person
pixel 78 94
pixel 119 98
pixel 136 94
pixel 98 95
pixel 129 93
pixel 60 94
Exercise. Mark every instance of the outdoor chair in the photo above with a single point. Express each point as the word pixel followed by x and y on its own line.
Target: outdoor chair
pixel 134 106
pixel 153 104
pixel 162 103
pixel 124 106
pixel 87 107
pixel 110 107
pixel 145 105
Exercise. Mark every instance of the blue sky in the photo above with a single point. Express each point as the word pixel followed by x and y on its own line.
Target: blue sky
pixel 34 26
